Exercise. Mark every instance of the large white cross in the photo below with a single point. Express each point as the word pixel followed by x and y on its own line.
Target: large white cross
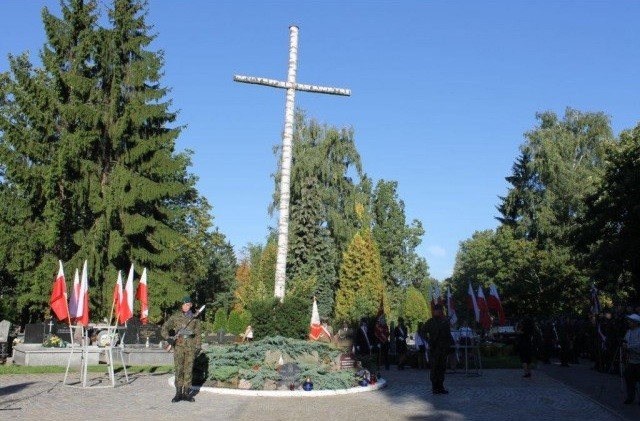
pixel 287 139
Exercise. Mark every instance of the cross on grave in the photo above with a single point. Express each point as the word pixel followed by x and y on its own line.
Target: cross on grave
pixel 287 139
pixel 50 325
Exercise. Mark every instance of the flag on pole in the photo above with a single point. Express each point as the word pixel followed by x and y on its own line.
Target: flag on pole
pixel 451 310
pixel 494 303
pixel 126 306
pixel 485 321
pixel 316 330
pixel 59 296
pixel 117 296
pixel 472 303
pixel 436 296
pixel 141 295
pixel 595 300
pixel 79 303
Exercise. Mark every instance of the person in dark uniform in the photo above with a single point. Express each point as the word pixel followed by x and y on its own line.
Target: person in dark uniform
pixel 182 332
pixel 524 341
pixel 400 333
pixel 437 333
pixel 364 340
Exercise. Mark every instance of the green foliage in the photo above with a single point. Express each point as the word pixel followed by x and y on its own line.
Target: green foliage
pixel 247 361
pixel 397 241
pixel 289 318
pixel 220 320
pixel 360 286
pixel 608 234
pixel 90 172
pixel 415 308
pixel 236 324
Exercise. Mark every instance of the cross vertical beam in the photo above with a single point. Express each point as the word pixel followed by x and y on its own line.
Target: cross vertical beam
pixel 287 145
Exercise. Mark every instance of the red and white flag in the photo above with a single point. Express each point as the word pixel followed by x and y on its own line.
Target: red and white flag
pixel 79 302
pixel 485 320
pixel 141 295
pixel 451 309
pixel 472 303
pixel 494 303
pixel 126 305
pixel 117 296
pixel 316 330
pixel 59 296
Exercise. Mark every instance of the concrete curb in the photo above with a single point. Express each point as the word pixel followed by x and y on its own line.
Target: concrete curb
pixel 382 383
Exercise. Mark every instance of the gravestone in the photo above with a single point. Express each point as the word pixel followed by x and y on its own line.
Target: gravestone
pixel 5 325
pixel 63 332
pixel 34 333
pixel 149 331
pixel 132 333
pixel 347 361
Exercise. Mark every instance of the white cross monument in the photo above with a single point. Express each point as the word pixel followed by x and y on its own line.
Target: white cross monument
pixel 287 139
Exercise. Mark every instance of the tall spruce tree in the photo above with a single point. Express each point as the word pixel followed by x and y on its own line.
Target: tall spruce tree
pixel 87 150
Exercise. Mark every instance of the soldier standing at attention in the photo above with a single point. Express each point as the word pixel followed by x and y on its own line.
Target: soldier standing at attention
pixel 437 333
pixel 186 344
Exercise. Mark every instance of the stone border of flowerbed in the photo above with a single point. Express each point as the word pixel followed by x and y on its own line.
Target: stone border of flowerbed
pixel 381 383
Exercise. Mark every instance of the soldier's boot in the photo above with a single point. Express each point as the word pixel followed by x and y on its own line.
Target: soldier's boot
pixel 178 396
pixel 186 396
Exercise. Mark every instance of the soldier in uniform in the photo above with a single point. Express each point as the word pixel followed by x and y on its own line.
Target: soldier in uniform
pixel 437 333
pixel 186 343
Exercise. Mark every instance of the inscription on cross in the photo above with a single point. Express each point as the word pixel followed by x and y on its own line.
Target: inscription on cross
pixel 287 139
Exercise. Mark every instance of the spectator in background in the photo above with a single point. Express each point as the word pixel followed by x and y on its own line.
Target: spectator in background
pixel 400 333
pixel 524 342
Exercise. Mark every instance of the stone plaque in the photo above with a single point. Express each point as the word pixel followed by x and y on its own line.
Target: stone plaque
pixel 289 373
pixel 34 333
pixel 63 332
pixel 149 331
pixel 5 325
pixel 132 333
pixel 347 361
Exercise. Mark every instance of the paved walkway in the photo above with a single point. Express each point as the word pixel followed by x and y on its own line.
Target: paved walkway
pixel 497 394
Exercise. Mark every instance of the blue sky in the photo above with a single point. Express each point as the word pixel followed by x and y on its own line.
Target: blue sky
pixel 443 92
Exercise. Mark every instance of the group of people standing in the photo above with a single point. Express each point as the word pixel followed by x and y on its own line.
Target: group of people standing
pixel 434 334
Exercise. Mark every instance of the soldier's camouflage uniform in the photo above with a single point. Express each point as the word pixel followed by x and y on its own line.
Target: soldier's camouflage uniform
pixel 186 346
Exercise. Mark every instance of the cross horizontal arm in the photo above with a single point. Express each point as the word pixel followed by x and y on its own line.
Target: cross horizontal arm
pixel 297 86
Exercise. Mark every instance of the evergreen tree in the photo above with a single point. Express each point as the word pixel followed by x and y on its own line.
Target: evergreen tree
pixel 361 287
pixel 414 308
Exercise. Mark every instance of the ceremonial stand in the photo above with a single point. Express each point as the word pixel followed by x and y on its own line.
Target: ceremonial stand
pixel 470 345
pixel 79 342
pixel 114 346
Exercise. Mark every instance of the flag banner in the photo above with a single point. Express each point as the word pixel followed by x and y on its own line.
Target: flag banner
pixel 58 300
pixel 117 296
pixel 436 296
pixel 472 303
pixel 141 296
pixel 494 303
pixel 316 330
pixel 79 304
pixel 75 295
pixel 485 320
pixel 595 300
pixel 126 306
pixel 451 310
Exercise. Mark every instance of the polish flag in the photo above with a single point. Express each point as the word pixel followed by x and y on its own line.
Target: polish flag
pixel 126 305
pixel 117 296
pixel 59 296
pixel 141 295
pixel 451 310
pixel 316 330
pixel 485 320
pixel 79 303
pixel 494 303
pixel 472 303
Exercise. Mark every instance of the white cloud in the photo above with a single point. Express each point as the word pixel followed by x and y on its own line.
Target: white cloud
pixel 437 251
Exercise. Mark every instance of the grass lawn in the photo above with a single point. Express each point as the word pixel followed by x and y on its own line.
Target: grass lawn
pixel 21 369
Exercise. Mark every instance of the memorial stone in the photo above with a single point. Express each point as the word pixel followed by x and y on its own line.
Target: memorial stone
pixel 34 333
pixel 5 325
pixel 152 332
pixel 63 332
pixel 347 361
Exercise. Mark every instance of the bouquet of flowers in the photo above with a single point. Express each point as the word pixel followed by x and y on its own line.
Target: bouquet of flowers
pixel 54 341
